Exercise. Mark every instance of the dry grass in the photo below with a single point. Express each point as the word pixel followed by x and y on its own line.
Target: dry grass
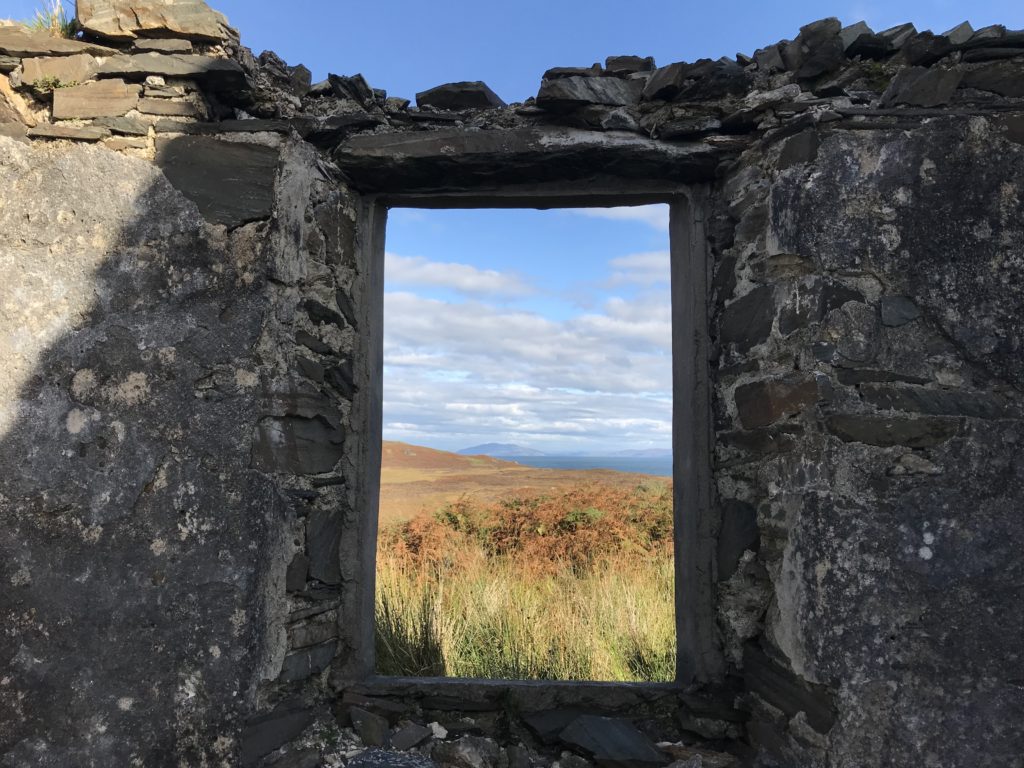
pixel 576 585
pixel 53 19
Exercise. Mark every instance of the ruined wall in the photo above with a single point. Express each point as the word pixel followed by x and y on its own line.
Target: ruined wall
pixel 186 359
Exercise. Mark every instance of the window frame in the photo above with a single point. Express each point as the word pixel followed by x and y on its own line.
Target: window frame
pixel 699 657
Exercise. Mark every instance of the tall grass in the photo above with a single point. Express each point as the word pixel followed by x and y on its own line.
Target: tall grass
pixel 53 19
pixel 577 586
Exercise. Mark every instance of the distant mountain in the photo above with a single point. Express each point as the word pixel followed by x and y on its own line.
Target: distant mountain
pixel 647 453
pixel 499 449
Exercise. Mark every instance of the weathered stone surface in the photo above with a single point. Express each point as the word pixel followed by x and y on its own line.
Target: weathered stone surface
pixel 23 43
pixel 762 403
pixel 612 742
pixel 263 734
pixel 128 19
pixel 704 79
pixel 378 758
pixel 323 539
pixel 786 691
pixel 126 142
pixel 959 34
pixel 307 662
pixel 820 49
pixel 626 65
pixel 922 87
pixel 467 752
pixel 799 149
pixel 1002 77
pixel 897 36
pixel 218 74
pixel 595 70
pixel 737 534
pixel 940 402
pixel 888 431
pixel 372 729
pixel 298 571
pixel 107 98
pixel 67 70
pixel 409 736
pixel 547 724
pixel 412 162
pixel 898 310
pixel 129 126
pixel 568 93
pixel 162 45
pixel 230 183
pixel 167 107
pixel 748 321
pixel 926 48
pixel 297 445
pixel 67 132
pixel 9 63
pixel 464 95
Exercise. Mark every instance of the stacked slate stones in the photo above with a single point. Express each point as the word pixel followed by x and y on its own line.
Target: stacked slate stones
pixel 138 69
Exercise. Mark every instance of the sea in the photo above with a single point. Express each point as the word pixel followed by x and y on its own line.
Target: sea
pixel 647 465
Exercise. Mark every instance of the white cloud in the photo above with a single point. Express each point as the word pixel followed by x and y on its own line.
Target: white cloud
pixel 596 381
pixel 464 278
pixel 656 216
pixel 648 268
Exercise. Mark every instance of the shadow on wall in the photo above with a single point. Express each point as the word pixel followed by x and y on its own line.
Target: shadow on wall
pixel 135 539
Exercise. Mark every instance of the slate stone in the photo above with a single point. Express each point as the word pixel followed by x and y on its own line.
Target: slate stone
pixel 748 321
pixel 64 69
pixel 409 736
pixel 70 132
pixel 9 63
pixel 296 445
pixel 128 126
pixel 323 545
pixel 922 87
pixel 305 758
pixel 898 310
pixel 266 733
pixel 303 664
pixel 939 402
pixel 467 752
pixel 737 533
pixel 554 73
pixel 700 81
pixel 13 130
pixel 627 65
pixel 612 742
pixel 799 149
pixel 546 725
pixel 107 98
pixel 991 54
pixel 166 107
pixel 162 45
pixel 348 310
pixel 786 691
pixel 372 729
pixel 231 183
pixel 217 74
pixel 769 59
pixel 312 343
pixel 897 36
pixel 688 127
pixel 20 42
pixel 378 758
pixel 959 34
pixel 342 378
pixel 995 37
pixel 128 19
pixel 568 93
pixel 464 95
pixel 295 576
pixel 320 313
pixel 354 88
pixel 926 49
pixel 850 34
pixel 762 403
pixel 854 377
pixel 821 49
pixel 1005 78
pixel 335 128
pixel 923 432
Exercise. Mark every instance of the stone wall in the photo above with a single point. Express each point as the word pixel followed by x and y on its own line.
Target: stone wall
pixel 185 331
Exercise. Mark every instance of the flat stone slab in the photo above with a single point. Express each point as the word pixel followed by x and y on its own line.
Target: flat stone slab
pixel 232 184
pixel 466 95
pixel 65 69
pixel 127 19
pixel 68 132
pixel 613 742
pixel 21 42
pixel 105 98
pixel 219 73
pixel 572 92
pixel 479 160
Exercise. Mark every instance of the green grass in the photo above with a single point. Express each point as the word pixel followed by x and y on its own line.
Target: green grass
pixel 571 587
pixel 53 19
